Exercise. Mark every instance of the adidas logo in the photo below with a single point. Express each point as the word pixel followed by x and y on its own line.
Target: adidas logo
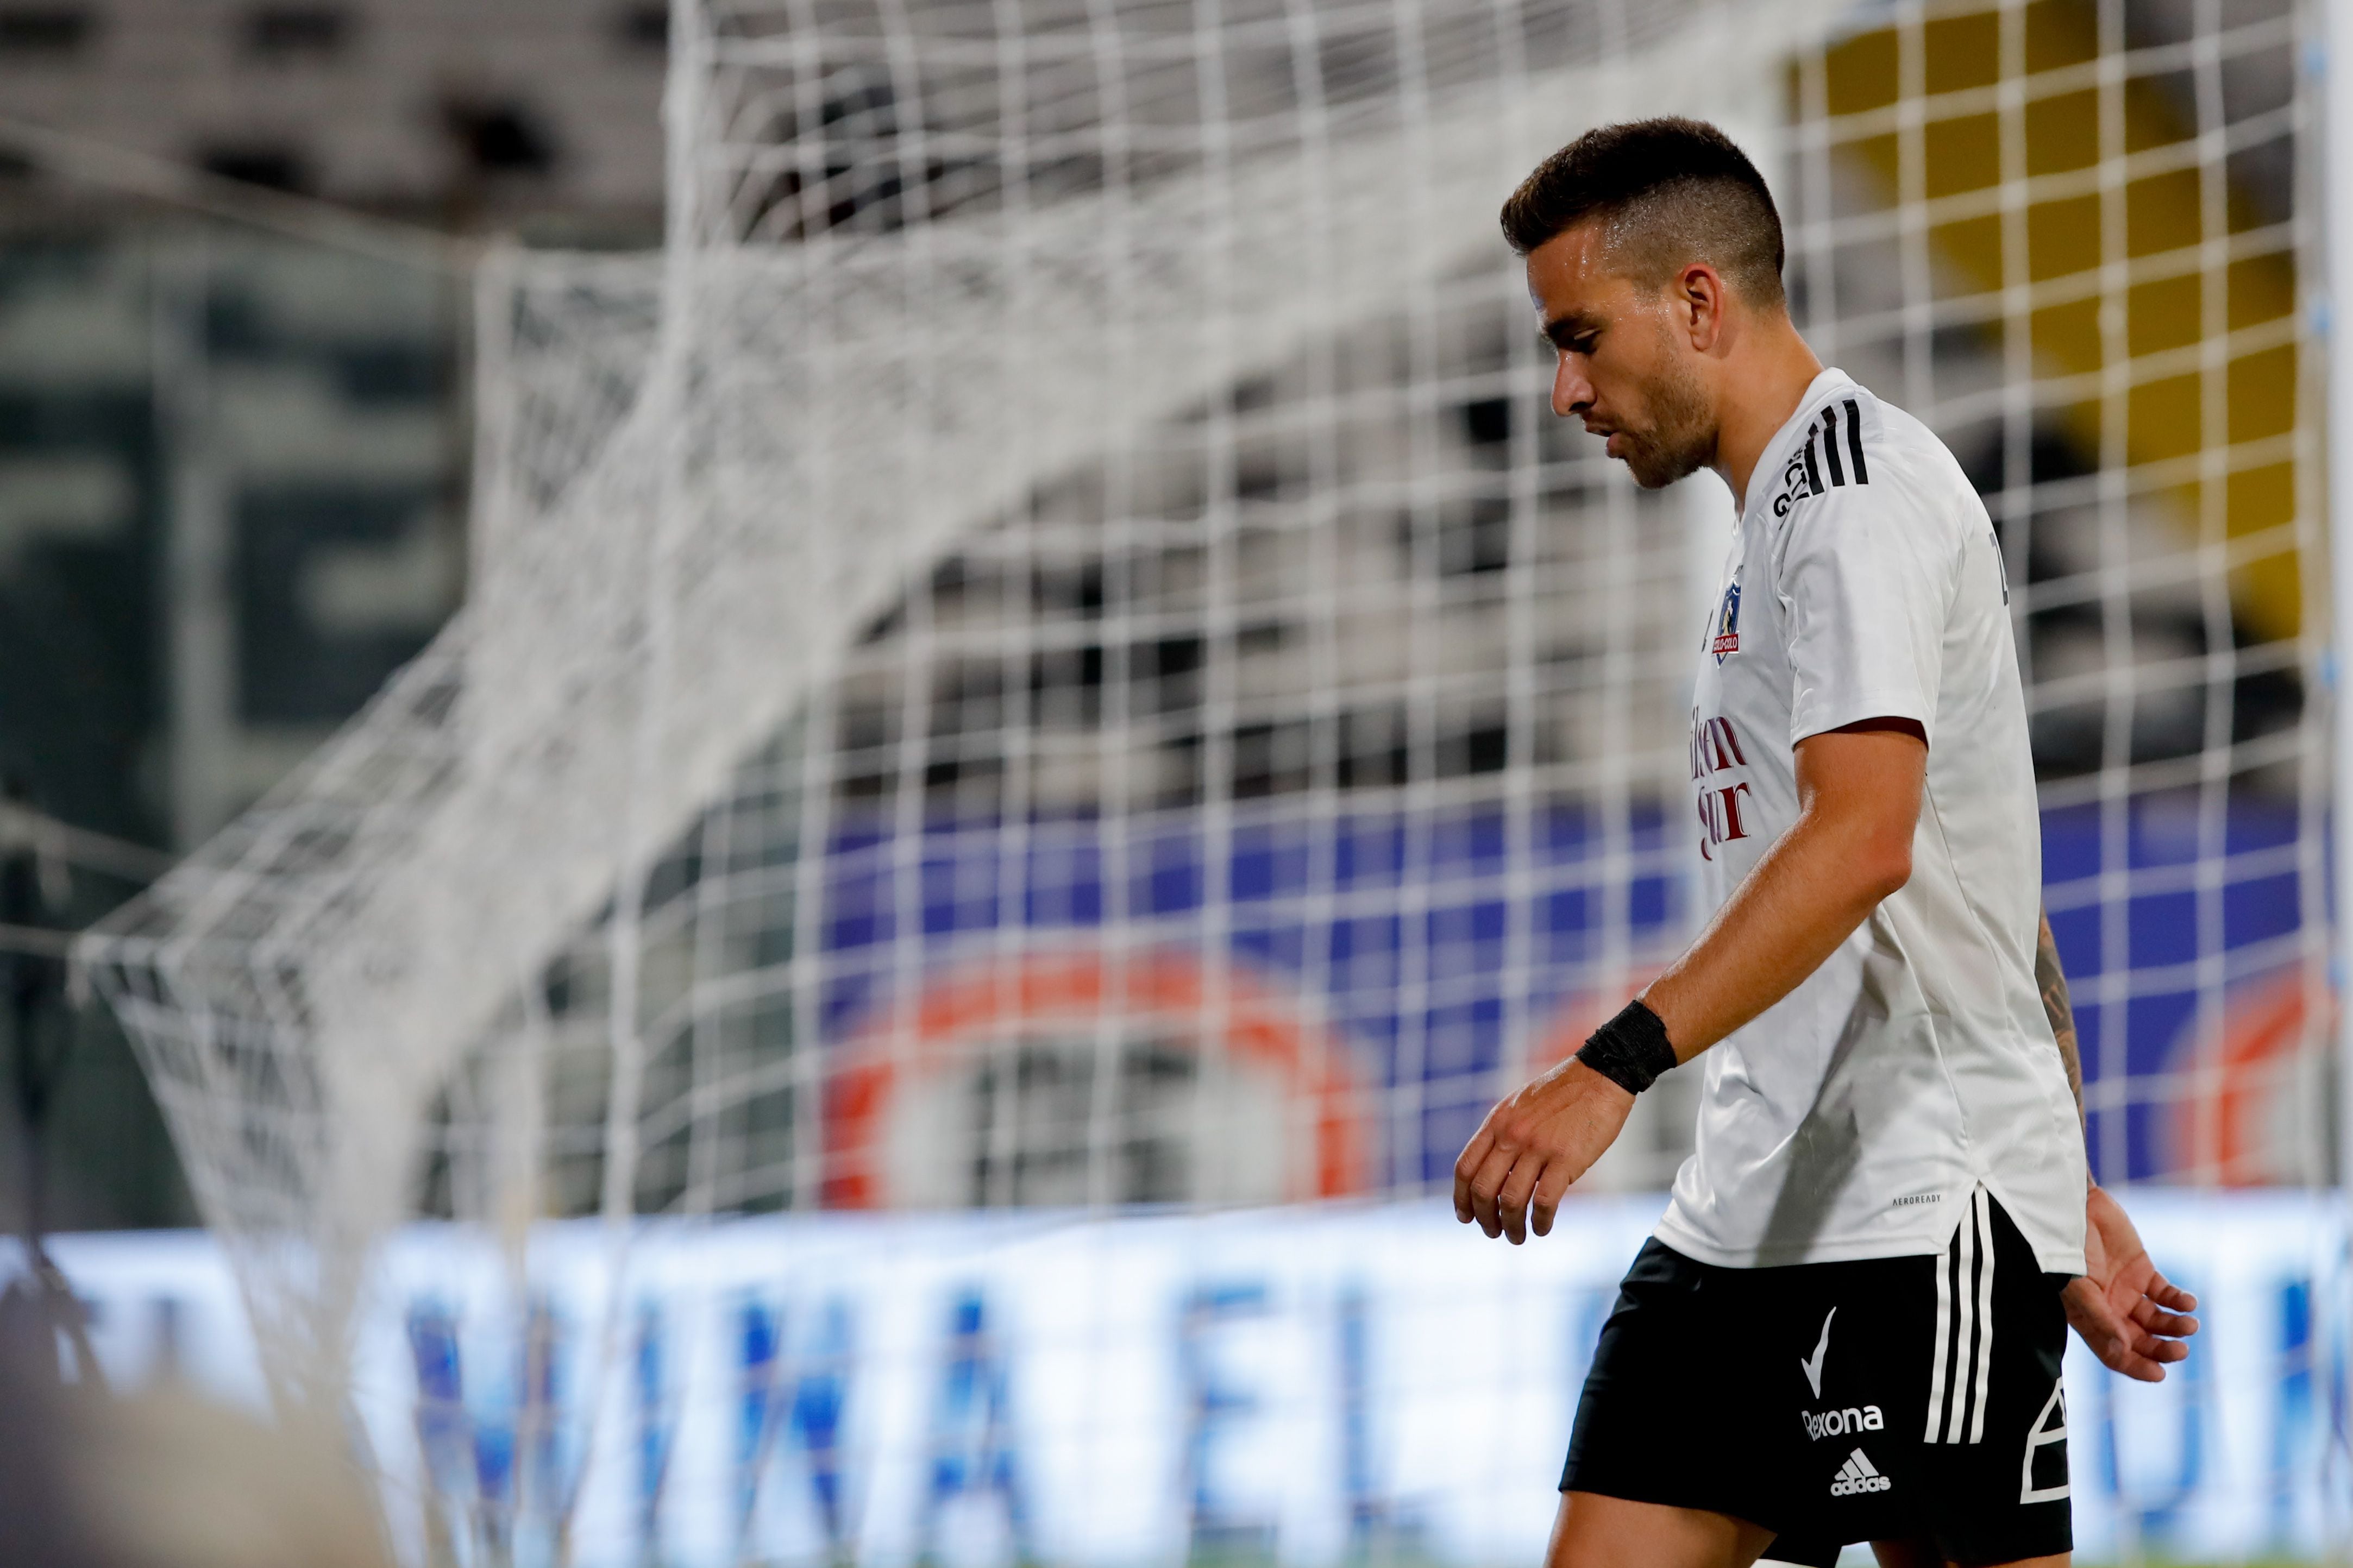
pixel 1857 1476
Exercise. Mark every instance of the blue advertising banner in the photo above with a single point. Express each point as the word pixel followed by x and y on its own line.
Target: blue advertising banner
pixel 1301 1384
pixel 1421 954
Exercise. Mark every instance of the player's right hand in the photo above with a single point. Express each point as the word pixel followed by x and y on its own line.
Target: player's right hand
pixel 1533 1145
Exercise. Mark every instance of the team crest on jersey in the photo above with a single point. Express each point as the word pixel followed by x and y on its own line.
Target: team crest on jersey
pixel 1727 621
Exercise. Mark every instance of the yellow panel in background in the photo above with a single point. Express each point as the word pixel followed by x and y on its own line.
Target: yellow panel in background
pixel 2159 214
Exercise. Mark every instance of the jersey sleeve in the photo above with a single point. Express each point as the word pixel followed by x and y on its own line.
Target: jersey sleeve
pixel 1865 582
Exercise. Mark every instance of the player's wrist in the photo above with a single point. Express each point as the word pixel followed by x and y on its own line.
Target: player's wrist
pixel 1632 1050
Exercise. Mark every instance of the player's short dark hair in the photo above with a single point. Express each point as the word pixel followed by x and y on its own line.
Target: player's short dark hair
pixel 1673 191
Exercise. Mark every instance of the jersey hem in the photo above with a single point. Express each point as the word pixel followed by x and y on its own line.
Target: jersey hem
pixel 2057 1258
pixel 2050 1261
pixel 1690 1243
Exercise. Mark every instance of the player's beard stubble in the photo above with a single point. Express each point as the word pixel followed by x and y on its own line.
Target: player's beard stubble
pixel 1680 439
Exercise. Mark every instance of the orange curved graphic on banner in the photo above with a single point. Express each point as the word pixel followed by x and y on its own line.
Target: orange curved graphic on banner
pixel 959 1012
pixel 2228 1134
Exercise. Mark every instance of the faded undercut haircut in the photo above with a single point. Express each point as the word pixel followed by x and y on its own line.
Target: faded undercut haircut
pixel 1669 192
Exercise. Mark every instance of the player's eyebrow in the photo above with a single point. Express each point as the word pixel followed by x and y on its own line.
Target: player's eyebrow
pixel 1560 330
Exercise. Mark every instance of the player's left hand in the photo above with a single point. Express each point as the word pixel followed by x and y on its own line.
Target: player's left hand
pixel 1533 1145
pixel 2131 1316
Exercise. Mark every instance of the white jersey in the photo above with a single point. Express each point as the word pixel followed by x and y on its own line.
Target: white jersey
pixel 1854 1118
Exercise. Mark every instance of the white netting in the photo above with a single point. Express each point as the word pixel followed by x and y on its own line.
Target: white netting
pixel 2071 238
pixel 1047 650
pixel 1225 298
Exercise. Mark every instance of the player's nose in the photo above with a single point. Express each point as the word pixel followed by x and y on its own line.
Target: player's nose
pixel 1572 394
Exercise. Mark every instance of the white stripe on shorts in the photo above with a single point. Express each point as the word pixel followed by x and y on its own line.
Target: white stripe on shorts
pixel 1936 1360
pixel 1960 1365
pixel 1965 1337
pixel 1985 1310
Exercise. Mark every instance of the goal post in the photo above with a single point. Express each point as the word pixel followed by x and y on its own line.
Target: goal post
pixel 2335 53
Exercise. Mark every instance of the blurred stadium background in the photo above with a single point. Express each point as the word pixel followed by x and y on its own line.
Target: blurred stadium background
pixel 661 654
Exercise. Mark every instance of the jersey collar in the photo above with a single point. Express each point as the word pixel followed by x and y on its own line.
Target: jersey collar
pixel 1829 383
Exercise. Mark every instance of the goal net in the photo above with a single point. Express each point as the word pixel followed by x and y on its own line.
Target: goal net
pixel 1047 654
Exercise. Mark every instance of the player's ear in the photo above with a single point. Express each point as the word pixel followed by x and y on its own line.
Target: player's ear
pixel 1700 302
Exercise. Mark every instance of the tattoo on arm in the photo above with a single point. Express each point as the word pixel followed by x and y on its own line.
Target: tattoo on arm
pixel 2052 981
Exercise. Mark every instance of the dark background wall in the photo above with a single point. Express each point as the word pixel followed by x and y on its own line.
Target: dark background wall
pixel 232 459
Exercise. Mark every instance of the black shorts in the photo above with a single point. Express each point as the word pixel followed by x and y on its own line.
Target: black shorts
pixel 1888 1399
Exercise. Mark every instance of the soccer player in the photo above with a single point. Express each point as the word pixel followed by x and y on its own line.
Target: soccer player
pixel 1848 1325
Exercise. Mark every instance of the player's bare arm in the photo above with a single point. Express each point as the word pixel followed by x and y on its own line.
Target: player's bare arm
pixel 2132 1316
pixel 2050 980
pixel 1859 792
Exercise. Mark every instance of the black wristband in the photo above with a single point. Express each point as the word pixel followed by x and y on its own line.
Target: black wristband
pixel 1630 1050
